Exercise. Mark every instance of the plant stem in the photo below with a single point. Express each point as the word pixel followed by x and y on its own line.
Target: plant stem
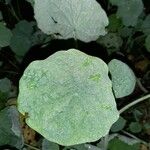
pixel 11 9
pixel 32 147
pixel 141 86
pixel 134 103
pixel 105 142
pixel 76 43
pixel 19 12
pixel 134 137
pixel 10 72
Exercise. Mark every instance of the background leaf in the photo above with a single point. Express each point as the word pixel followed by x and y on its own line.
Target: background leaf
pixel 129 10
pixel 117 144
pixel 111 41
pixel 5 85
pixel 135 127
pixel 5 35
pixel 21 40
pixel 119 125
pixel 47 145
pixel 79 19
pixel 1 16
pixel 10 131
pixel 115 23
pixel 123 78
pixel 5 91
pixel 146 25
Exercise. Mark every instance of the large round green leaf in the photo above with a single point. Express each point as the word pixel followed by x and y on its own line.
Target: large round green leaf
pixel 80 19
pixel 68 98
pixel 123 78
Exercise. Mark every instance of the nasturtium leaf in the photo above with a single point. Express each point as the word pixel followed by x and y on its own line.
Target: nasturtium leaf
pixel 10 129
pixel 126 32
pixel 123 78
pixel 129 10
pixel 79 19
pixel 111 41
pixel 5 35
pixel 145 27
pixel 119 125
pixel 147 43
pixel 115 23
pixel 21 40
pixel 117 144
pixel 5 85
pixel 68 98
pixel 135 127
pixel 24 28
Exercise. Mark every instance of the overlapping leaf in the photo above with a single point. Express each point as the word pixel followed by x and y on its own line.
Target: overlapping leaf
pixel 70 96
pixel 10 131
pixel 129 10
pixel 123 78
pixel 79 19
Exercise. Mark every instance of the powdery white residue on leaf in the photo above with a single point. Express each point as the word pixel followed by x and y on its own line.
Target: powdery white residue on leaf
pixel 79 19
pixel 123 78
pixel 72 101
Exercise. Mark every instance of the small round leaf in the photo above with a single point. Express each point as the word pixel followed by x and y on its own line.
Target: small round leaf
pixel 123 78
pixel 135 127
pixel 68 98
pixel 119 125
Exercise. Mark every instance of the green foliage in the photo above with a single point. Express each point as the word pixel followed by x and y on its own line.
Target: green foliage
pixel 119 125
pixel 135 127
pixel 47 99
pixel 123 78
pixel 5 88
pixel 82 147
pixel 10 131
pixel 5 85
pixel 21 40
pixel 129 10
pixel 1 16
pixel 24 37
pixel 146 25
pixel 117 144
pixel 79 19
pixel 75 113
pixel 47 145
pixel 5 35
pixel 115 23
pixel 3 98
pixel 111 41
